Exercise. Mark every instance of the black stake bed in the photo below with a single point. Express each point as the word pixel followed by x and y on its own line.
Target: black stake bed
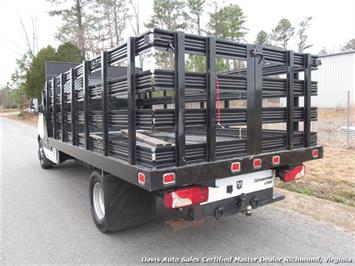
pixel 124 120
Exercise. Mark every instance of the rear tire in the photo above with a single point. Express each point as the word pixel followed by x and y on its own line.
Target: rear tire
pixel 117 204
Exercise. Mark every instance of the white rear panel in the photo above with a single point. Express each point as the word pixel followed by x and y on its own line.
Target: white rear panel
pixel 241 184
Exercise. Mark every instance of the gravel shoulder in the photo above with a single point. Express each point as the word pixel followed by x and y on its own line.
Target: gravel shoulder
pixel 338 215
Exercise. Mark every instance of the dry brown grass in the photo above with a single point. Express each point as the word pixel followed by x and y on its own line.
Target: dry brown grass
pixel 329 126
pixel 331 178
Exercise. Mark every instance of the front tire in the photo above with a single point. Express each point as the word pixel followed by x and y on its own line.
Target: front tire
pixel 44 162
pixel 117 205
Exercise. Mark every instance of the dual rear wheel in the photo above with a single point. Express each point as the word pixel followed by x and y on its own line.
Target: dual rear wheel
pixel 117 204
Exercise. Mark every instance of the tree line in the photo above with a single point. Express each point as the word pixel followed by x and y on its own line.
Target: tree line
pixel 90 26
pixel 94 25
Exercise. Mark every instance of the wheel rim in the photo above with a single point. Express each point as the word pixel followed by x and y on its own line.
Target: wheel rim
pixel 98 200
pixel 41 155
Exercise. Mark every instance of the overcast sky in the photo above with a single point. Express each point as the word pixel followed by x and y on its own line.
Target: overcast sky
pixel 333 23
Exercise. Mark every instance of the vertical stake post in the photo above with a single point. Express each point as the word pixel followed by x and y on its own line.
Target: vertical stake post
pixel 54 109
pixel 86 104
pixel 72 105
pixel 62 106
pixel 307 100
pixel 131 83
pixel 180 98
pixel 211 99
pixel 104 86
pixel 290 99
pixel 254 99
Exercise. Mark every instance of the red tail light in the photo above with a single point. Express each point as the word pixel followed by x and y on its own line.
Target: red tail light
pixel 257 163
pixel 141 178
pixel 293 174
pixel 184 197
pixel 168 178
pixel 235 167
pixel 276 160
pixel 315 153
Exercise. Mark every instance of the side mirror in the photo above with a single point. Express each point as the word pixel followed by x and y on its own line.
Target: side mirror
pixel 34 105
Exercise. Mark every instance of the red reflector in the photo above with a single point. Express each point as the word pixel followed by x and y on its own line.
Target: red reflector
pixel 257 163
pixel 141 178
pixel 235 167
pixel 293 174
pixel 276 160
pixel 315 153
pixel 168 178
pixel 185 197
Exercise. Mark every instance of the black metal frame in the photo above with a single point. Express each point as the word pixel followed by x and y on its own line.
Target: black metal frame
pixel 90 112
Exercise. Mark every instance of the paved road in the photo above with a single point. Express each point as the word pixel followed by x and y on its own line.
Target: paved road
pixel 45 219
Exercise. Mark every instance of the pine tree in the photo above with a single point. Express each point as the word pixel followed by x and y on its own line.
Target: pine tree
pixel 302 36
pixel 262 38
pixel 115 13
pixel 349 46
pixel 35 74
pixel 134 20
pixel 169 15
pixel 228 23
pixel 282 33
pixel 195 9
pixel 74 21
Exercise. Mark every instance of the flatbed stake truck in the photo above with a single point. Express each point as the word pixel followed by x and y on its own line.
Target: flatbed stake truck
pixel 204 142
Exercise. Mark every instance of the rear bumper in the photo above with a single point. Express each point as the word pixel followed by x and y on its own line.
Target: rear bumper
pixel 238 204
pixel 206 173
pixel 200 173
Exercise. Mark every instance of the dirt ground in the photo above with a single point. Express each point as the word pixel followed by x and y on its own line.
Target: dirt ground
pixel 25 117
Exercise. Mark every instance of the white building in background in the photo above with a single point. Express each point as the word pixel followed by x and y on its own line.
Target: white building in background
pixel 336 76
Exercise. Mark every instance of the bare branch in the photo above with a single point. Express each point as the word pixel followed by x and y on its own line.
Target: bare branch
pixel 26 35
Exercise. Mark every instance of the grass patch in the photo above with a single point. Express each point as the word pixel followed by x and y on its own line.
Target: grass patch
pixel 346 197
pixel 8 110
pixel 331 178
pixel 293 186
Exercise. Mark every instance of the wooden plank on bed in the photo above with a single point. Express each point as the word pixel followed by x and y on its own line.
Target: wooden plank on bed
pixel 148 139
